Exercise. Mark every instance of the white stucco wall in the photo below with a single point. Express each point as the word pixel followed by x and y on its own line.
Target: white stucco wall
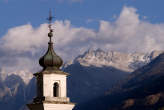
pixel 51 106
pixel 48 106
pixel 48 82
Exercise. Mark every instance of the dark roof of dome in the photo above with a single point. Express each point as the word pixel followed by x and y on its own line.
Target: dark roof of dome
pixel 50 59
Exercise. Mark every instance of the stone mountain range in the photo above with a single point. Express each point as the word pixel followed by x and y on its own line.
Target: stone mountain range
pixel 92 74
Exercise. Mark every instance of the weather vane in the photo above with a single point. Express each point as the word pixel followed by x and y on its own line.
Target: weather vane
pixel 50 34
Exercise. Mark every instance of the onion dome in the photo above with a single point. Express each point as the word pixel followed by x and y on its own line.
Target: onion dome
pixel 50 59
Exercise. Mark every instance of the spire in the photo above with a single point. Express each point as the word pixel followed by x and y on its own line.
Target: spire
pixel 50 60
pixel 50 34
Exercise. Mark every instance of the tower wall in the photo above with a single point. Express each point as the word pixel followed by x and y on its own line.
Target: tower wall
pixel 48 83
pixel 51 106
pixel 48 106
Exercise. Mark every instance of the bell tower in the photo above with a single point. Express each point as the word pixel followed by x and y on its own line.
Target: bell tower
pixel 51 81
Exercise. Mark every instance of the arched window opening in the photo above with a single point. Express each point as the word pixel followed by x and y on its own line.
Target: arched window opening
pixel 56 90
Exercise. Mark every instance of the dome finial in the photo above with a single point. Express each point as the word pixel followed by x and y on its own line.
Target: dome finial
pixel 50 34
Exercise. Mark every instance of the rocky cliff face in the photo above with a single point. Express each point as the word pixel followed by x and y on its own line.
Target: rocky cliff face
pixel 141 90
pixel 144 88
pixel 14 93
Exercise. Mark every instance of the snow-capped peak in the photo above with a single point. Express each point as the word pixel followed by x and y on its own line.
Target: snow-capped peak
pixel 24 74
pixel 123 61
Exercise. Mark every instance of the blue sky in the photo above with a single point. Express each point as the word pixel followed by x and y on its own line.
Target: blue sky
pixel 84 13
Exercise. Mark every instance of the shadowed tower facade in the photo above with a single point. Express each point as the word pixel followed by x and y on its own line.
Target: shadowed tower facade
pixel 51 81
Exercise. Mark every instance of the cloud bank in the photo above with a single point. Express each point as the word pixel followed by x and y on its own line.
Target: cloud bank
pixel 22 46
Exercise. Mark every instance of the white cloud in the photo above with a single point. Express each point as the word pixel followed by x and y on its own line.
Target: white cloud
pixel 22 46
